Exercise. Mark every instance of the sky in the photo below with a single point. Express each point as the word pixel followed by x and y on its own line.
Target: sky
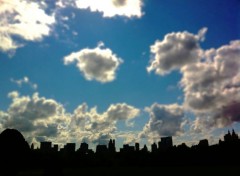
pixel 132 70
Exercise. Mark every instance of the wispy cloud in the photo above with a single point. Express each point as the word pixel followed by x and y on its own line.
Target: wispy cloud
pixel 24 80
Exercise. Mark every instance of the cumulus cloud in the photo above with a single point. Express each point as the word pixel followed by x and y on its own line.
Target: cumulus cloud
pixel 97 126
pixel 210 78
pixel 24 80
pixel 175 51
pixel 23 19
pixel 98 64
pixel 165 120
pixel 212 87
pixel 40 118
pixel 34 116
pixel 121 112
pixel 111 8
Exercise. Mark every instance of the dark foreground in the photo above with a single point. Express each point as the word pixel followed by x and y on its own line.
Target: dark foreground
pixel 134 171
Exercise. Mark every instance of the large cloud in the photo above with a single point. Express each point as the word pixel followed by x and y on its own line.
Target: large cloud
pixel 211 78
pixel 111 8
pixel 98 64
pixel 175 51
pixel 25 19
pixel 212 87
pixel 35 116
pixel 40 119
pixel 165 120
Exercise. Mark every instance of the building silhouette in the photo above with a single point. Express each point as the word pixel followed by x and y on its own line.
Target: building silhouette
pixel 127 148
pixel 111 146
pixel 203 143
pixel 46 146
pixel 83 148
pixel 144 149
pixel 161 155
pixel 69 148
pixel 231 137
pixel 165 143
pixel 32 146
pixel 137 147
pixel 101 148
pixel 55 148
pixel 154 147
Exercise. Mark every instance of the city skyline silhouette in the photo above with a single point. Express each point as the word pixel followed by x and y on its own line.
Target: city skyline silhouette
pixel 18 154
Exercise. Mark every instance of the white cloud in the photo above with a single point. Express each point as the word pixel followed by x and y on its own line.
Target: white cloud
pixel 129 137
pixel 34 116
pixel 24 80
pixel 175 51
pixel 25 19
pixel 121 112
pixel 165 120
pixel 212 87
pixel 210 78
pixel 90 125
pixel 64 3
pixel 98 64
pixel 40 118
pixel 111 8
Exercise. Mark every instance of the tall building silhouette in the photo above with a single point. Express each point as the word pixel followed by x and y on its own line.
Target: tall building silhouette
pixel 111 146
pixel 32 146
pixel 230 137
pixel 144 149
pixel 55 147
pixel 137 147
pixel 154 147
pixel 69 148
pixel 83 148
pixel 165 143
pixel 46 146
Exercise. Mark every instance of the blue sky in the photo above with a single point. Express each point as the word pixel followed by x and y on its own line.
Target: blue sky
pixel 133 104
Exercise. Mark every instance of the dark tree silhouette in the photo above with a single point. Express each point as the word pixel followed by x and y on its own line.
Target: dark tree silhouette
pixel 14 151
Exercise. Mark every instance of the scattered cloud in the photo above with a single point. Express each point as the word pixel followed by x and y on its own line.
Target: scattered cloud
pixel 24 19
pixel 111 8
pixel 24 80
pixel 98 64
pixel 175 51
pixel 165 120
